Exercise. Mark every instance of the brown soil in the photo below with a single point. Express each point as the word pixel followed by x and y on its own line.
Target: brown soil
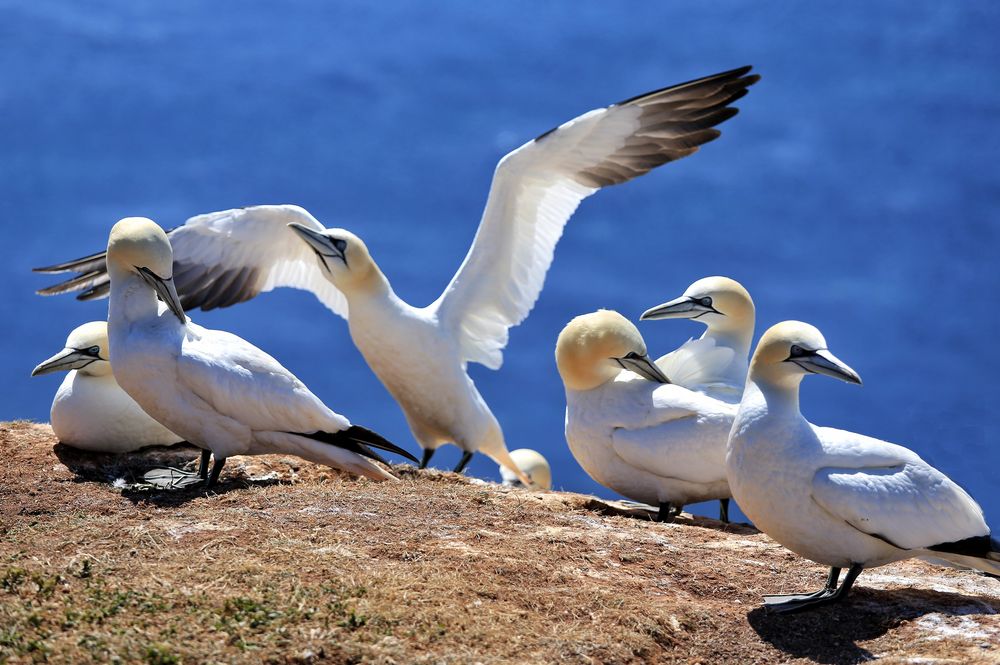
pixel 290 562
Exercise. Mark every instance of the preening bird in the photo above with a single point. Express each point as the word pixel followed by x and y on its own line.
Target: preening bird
pixel 90 410
pixel 838 498
pixel 534 465
pixel 215 389
pixel 420 353
pixel 630 428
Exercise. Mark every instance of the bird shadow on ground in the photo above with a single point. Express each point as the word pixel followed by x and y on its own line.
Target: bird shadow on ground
pixel 126 471
pixel 831 634
pixel 648 514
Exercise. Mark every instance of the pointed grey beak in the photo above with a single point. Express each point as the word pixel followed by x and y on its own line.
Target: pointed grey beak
pixel 644 367
pixel 684 307
pixel 165 290
pixel 64 361
pixel 321 243
pixel 822 361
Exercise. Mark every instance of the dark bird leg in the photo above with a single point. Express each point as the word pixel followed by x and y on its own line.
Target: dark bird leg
pixel 668 512
pixel 724 510
pixel 825 596
pixel 426 458
pixel 206 455
pixel 213 478
pixel 464 462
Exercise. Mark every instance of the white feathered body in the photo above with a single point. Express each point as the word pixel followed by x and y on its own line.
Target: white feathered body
pixel 419 363
pixel 94 413
pixel 650 442
pixel 837 497
pixel 219 391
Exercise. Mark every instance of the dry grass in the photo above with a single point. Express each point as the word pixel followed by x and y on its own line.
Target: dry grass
pixel 306 565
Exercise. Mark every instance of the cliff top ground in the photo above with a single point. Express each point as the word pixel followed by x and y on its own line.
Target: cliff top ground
pixel 288 562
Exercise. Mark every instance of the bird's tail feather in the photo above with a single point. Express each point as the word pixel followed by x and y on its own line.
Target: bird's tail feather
pixel 345 457
pixel 359 440
pixel 981 553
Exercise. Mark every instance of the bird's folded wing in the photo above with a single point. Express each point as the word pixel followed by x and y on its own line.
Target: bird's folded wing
pixel 242 382
pixel 537 187
pixel 900 499
pixel 696 363
pixel 224 258
pixel 681 435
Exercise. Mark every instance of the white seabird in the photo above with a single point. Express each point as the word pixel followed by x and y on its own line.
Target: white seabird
pixel 215 389
pixel 727 310
pixel 838 498
pixel 420 353
pixel 716 363
pixel 645 438
pixel 90 410
pixel 533 464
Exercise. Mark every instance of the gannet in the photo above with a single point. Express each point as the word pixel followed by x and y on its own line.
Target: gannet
pixel 215 389
pixel 533 464
pixel 715 363
pixel 727 310
pixel 90 411
pixel 838 498
pixel 645 438
pixel 420 354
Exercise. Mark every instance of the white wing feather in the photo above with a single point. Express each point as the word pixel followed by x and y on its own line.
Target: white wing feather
pixel 887 491
pixel 696 363
pixel 537 187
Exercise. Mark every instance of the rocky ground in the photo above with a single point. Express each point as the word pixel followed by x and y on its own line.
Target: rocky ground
pixel 289 562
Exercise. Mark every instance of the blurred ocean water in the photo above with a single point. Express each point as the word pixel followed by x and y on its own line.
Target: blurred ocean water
pixel 857 189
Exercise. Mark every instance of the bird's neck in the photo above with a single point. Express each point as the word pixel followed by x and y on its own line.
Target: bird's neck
pixel 131 299
pixel 737 338
pixel 781 395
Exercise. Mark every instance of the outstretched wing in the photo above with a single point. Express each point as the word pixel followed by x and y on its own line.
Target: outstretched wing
pixel 537 187
pixel 224 258
pixel 894 495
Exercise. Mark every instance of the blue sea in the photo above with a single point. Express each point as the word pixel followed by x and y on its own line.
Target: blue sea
pixel 858 188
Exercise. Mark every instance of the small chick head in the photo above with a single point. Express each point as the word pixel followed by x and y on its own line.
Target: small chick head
pixel 590 345
pixel 533 464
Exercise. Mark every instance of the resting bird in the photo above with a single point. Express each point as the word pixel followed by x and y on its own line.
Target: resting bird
pixel 838 498
pixel 645 438
pixel 716 363
pixel 534 465
pixel 420 353
pixel 216 390
pixel 90 411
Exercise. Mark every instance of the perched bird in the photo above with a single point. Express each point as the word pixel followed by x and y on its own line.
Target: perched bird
pixel 420 353
pixel 645 438
pixel 722 352
pixel 838 498
pixel 216 390
pixel 534 465
pixel 90 411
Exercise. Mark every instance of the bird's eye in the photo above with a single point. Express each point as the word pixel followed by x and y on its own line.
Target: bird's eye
pixel 340 244
pixel 797 351
pixel 705 302
pixel 94 351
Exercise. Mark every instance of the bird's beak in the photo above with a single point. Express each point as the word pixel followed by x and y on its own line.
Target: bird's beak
pixel 822 361
pixel 166 291
pixel 644 367
pixel 320 242
pixel 65 360
pixel 684 307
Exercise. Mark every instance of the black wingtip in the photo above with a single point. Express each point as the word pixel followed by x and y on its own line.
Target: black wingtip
pixel 359 440
pixel 730 75
pixel 375 440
